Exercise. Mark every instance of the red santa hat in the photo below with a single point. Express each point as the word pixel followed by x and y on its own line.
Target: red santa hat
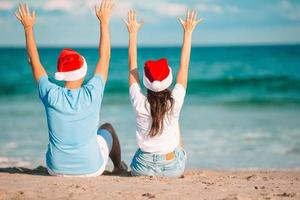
pixel 71 66
pixel 157 75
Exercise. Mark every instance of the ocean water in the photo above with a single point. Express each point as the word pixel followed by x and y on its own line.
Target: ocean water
pixel 242 108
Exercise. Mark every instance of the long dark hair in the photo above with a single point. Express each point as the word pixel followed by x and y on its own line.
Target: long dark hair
pixel 160 104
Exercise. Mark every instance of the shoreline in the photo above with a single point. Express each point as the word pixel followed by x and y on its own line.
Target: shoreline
pixel 24 183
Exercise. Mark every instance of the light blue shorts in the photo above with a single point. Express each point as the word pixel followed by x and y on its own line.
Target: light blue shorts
pixel 151 164
pixel 106 135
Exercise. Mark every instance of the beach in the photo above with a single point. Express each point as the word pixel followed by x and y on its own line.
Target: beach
pixel 18 183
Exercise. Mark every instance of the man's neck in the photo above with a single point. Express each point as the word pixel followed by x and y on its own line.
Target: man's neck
pixel 73 84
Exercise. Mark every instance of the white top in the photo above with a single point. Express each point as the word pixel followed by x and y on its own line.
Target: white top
pixel 169 138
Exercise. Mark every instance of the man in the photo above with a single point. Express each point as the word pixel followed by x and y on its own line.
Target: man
pixel 77 146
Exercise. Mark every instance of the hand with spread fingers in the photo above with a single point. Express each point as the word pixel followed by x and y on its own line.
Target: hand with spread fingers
pixel 132 24
pixel 188 26
pixel 191 21
pixel 25 17
pixel 104 11
pixel 28 19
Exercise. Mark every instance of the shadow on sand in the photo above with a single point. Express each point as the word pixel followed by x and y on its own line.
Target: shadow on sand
pixel 42 171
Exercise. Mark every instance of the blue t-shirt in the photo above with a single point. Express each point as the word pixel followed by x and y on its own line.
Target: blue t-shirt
pixel 73 121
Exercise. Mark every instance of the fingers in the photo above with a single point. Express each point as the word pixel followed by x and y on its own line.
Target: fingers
pixel 107 4
pixel 18 16
pixel 195 15
pixel 24 15
pixel 187 14
pixel 33 15
pixel 132 20
pixel 134 15
pixel 180 20
pixel 20 10
pixel 23 10
pixel 110 4
pixel 191 16
pixel 97 10
pixel 102 5
pixel 130 16
pixel 142 23
pixel 199 21
pixel 27 9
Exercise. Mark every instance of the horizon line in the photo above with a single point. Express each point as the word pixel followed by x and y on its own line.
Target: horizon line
pixel 159 46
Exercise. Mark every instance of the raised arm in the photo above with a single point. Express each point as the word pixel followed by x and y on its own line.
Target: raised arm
pixel 133 27
pixel 27 19
pixel 188 27
pixel 103 13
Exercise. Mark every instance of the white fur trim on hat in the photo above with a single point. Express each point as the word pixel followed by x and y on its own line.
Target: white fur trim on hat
pixel 157 86
pixel 72 75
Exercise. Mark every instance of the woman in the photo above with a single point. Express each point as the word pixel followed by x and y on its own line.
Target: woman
pixel 158 134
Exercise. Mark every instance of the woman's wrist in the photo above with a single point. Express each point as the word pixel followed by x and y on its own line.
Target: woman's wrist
pixel 188 33
pixel 133 34
pixel 104 24
pixel 28 29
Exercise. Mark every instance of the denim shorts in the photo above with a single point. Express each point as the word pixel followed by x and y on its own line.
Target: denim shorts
pixel 151 164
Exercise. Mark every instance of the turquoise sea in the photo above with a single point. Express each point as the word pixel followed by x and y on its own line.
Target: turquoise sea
pixel 242 108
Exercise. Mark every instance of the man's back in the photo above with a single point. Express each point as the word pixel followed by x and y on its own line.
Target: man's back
pixel 73 120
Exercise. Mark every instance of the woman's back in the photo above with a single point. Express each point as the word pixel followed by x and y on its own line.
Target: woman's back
pixel 168 139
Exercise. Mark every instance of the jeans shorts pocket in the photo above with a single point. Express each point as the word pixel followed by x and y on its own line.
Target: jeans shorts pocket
pixel 140 166
pixel 173 169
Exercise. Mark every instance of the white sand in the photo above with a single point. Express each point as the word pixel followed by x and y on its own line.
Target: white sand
pixel 197 184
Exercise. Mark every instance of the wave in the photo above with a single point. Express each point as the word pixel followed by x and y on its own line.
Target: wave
pixel 257 90
pixel 248 84
pixel 295 150
pixel 263 90
pixel 260 101
pixel 228 85
pixel 13 162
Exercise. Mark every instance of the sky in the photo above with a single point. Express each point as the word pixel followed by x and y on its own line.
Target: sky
pixel 226 22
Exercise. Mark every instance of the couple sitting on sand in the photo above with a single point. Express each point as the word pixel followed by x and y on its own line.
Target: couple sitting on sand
pixel 77 145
